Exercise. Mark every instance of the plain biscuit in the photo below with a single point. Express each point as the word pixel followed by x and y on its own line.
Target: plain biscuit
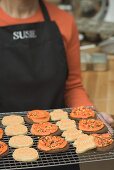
pixel 84 143
pixel 58 114
pixel 20 141
pixel 25 154
pixel 66 124
pixel 12 119
pixel 15 130
pixel 71 135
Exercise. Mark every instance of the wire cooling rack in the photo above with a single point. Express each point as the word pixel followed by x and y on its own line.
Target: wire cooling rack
pixel 50 160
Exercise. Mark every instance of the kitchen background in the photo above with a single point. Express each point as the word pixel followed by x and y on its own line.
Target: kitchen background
pixel 95 23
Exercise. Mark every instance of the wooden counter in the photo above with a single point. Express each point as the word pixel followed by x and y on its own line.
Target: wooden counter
pixel 100 87
pixel 104 165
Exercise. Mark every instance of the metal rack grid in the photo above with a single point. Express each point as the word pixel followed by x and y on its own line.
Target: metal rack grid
pixel 50 160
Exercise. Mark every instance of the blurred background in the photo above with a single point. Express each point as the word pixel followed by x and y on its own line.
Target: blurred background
pixel 95 22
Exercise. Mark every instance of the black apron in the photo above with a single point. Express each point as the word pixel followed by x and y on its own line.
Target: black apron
pixel 33 68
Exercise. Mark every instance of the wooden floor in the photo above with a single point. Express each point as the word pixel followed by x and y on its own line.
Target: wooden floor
pixel 100 87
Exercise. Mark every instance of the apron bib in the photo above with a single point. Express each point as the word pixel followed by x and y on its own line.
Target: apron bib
pixel 33 68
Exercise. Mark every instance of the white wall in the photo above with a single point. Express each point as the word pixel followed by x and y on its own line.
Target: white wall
pixel 110 15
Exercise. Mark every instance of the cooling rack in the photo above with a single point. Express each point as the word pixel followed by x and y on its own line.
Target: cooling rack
pixel 51 160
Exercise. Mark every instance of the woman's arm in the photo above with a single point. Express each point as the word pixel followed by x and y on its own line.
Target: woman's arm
pixel 75 94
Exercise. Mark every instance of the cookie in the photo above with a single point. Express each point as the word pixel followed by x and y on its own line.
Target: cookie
pixel 104 142
pixel 58 114
pixel 82 112
pixel 52 144
pixel 84 143
pixel 1 133
pixel 25 154
pixel 90 126
pixel 81 138
pixel 12 119
pixel 66 124
pixel 3 149
pixel 15 130
pixel 45 129
pixel 71 135
pixel 20 141
pixel 37 116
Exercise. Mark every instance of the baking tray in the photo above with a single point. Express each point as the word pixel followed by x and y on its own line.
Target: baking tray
pixel 52 160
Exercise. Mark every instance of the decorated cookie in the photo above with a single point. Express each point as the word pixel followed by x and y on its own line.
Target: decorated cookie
pixel 52 144
pixel 3 149
pixel 82 112
pixel 1 133
pixel 66 124
pixel 58 114
pixel 37 116
pixel 104 142
pixel 45 129
pixel 92 126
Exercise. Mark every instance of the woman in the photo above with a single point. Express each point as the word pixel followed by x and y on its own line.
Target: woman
pixel 39 57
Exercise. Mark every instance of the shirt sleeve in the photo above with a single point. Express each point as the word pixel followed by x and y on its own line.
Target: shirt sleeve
pixel 75 94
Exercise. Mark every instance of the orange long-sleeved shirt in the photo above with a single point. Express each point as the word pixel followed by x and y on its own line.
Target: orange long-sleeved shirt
pixel 75 94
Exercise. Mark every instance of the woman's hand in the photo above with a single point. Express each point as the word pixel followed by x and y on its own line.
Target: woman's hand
pixel 108 118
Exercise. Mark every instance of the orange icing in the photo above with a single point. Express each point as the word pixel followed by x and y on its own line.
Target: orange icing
pixel 82 112
pixel 44 129
pixel 48 143
pixel 91 125
pixel 3 147
pixel 38 116
pixel 1 133
pixel 103 140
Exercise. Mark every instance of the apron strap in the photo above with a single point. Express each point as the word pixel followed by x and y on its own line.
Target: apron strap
pixel 44 11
